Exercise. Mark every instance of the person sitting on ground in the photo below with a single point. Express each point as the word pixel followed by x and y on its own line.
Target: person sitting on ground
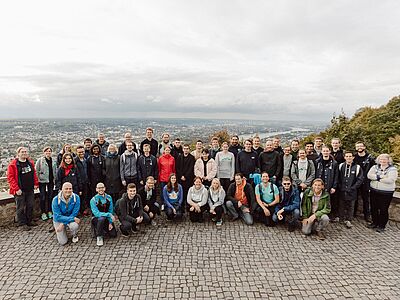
pixel 149 200
pixel 173 198
pixel 103 215
pixel 240 199
pixel 65 208
pixel 289 206
pixel 267 196
pixel 315 208
pixel 197 200
pixel 129 210
pixel 216 197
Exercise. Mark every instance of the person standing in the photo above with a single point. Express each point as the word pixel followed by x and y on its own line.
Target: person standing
pixel 22 179
pixel 311 155
pixel 247 161
pixel 365 161
pixel 150 141
pixel 177 148
pixel 383 178
pixel 87 144
pixel 214 147
pixel 166 166
pixel 128 166
pixel 82 169
pixel 68 172
pixel 185 170
pixel 46 170
pixel 256 145
pixel 95 165
pixel 271 162
pixel 66 149
pixel 146 166
pixel 337 152
pixel 205 168
pixel 294 146
pixel 66 207
pixel 303 171
pixel 199 148
pixel 103 144
pixel 112 178
pixel 235 147
pixel 350 179
pixel 128 138
pixel 318 143
pixel 287 160
pixel 163 144
pixel 225 161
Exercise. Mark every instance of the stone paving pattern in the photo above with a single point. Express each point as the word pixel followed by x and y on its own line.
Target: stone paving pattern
pixel 197 261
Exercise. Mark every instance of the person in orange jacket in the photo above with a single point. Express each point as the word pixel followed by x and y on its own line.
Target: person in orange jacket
pixel 166 166
pixel 22 179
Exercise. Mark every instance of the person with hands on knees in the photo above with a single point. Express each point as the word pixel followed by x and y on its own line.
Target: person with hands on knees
pixel 66 207
pixel 103 218
pixel 197 200
pixel 148 195
pixel 315 208
pixel 129 210
pixel 216 197
pixel 289 205
pixel 267 197
pixel 173 198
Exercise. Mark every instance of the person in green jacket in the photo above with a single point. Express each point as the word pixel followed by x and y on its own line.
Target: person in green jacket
pixel 315 209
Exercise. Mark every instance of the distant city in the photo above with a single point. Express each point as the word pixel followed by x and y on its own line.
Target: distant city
pixel 37 133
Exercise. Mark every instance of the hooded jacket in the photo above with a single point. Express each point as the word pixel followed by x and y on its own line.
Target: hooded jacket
pixel 43 171
pixel 128 165
pixel 13 176
pixel 324 204
pixel 166 166
pixel 63 212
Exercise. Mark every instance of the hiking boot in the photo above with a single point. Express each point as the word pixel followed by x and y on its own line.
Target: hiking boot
pixel 372 226
pixel 219 223
pixel 100 241
pixel 320 235
pixel 348 224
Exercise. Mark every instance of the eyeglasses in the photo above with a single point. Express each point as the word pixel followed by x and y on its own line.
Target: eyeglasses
pixel 285 183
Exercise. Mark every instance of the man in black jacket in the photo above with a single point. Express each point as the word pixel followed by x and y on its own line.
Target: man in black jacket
pixel 337 152
pixel 130 211
pixel 271 162
pixel 148 195
pixel 128 139
pixel 146 165
pixel 350 179
pixel 81 165
pixel 366 161
pixel 247 161
pixel 235 147
pixel 149 140
pixel 185 170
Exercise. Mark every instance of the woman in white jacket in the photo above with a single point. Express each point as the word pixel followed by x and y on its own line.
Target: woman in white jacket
pixel 383 178
pixel 205 168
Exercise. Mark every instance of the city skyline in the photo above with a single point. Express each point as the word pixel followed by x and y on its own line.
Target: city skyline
pixel 225 59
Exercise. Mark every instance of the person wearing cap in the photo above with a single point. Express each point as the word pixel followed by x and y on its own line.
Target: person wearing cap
pixel 66 207
pixel 22 179
pixel 46 170
pixel 103 215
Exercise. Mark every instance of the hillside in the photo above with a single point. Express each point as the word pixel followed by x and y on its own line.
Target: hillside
pixel 378 127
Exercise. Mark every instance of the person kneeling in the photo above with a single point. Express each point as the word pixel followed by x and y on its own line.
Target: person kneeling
pixel 289 205
pixel 216 197
pixel 197 200
pixel 173 198
pixel 315 209
pixel 148 195
pixel 103 218
pixel 129 210
pixel 240 199
pixel 267 196
pixel 65 208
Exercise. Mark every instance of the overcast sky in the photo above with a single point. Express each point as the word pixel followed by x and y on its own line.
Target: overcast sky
pixel 227 59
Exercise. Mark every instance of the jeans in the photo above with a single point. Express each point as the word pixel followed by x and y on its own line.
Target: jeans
pixel 380 202
pixel 236 211
pixel 170 213
pixel 101 227
pixel 317 225
pixel 46 196
pixel 24 203
pixel 292 217
pixel 62 237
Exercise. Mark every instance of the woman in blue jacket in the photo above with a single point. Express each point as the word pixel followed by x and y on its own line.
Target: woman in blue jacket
pixel 173 198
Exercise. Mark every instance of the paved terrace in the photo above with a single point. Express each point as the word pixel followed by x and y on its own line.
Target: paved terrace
pixel 197 261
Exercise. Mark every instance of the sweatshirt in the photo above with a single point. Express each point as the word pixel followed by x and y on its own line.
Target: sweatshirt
pixel 225 165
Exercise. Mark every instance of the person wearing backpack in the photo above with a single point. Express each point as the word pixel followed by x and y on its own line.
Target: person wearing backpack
pixel 66 207
pixel 22 179
pixel 350 179
pixel 267 197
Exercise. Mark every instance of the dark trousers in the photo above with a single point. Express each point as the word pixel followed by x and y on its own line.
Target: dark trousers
pixel 170 213
pixel 100 226
pixel 197 216
pixel 219 210
pixel 185 187
pixel 380 202
pixel 132 180
pixel 152 208
pixel 85 197
pixel 346 207
pixel 334 205
pixel 127 226
pixel 115 197
pixel 259 212
pixel 364 192
pixel 24 203
pixel 225 183
pixel 46 196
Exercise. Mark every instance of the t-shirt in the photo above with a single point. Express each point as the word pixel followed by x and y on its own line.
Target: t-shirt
pixel 302 166
pixel 267 195
pixel 25 173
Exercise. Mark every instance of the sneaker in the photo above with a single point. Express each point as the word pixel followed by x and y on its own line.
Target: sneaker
pixel 100 241
pixel 320 235
pixel 75 239
pixel 124 235
pixel 348 224
pixel 134 230
pixel 50 215
pixel 372 226
pixel 380 229
pixel 153 222
pixel 25 227
pixel 32 224
pixel 44 217
pixel 219 223
pixel 335 220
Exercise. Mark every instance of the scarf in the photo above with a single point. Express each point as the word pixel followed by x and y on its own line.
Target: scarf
pixel 240 194
pixel 68 169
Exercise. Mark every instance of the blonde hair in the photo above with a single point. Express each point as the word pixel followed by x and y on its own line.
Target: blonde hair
pixel 112 146
pixel 216 180
pixel 378 159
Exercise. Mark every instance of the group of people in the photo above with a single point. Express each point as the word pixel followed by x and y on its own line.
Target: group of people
pixel 135 183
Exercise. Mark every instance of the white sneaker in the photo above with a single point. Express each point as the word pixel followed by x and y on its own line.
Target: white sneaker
pixel 75 239
pixel 100 241
pixel 348 224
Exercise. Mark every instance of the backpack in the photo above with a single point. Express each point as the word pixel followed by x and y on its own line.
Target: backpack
pixel 272 191
pixel 357 168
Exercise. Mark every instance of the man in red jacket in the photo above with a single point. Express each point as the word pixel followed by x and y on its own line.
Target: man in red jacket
pixel 22 178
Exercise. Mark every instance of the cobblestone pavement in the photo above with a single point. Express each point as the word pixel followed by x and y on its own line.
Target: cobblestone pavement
pixel 197 261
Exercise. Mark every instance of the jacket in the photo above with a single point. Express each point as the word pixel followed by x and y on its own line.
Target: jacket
pixel 128 165
pixel 329 174
pixel 310 174
pixel 73 177
pixel 248 191
pixel 166 166
pixel 288 204
pixel 122 148
pixel 43 171
pixel 143 195
pixel 216 199
pixel 103 147
pixel 82 167
pixel 129 210
pixel 235 150
pixel 63 213
pixel 271 162
pixel 147 166
pixel 324 204
pixel 247 163
pixel 349 184
pixel 199 197
pixel 153 146
pixel 384 181
pixel 13 178
pixel 112 179
pixel 95 169
pixel 338 156
pixel 102 206
pixel 185 167
pixel 366 162
pixel 211 168
pixel 173 202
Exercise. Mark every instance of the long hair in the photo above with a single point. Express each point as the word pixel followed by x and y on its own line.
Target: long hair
pixel 63 164
pixel 169 184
